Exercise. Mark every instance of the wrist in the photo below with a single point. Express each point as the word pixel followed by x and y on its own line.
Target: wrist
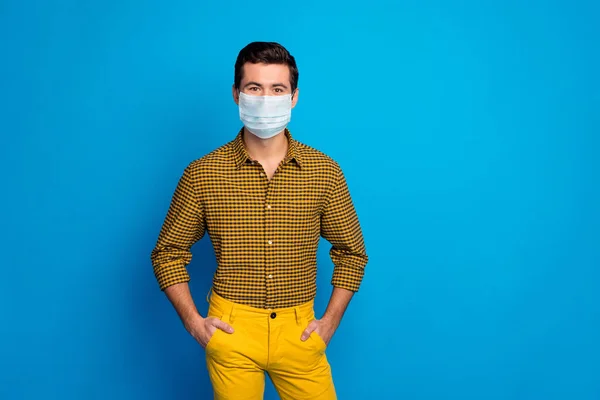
pixel 330 319
pixel 192 320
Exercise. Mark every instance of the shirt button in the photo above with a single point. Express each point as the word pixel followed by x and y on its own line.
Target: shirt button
pixel 268 206
pixel 273 315
pixel 270 242
pixel 269 276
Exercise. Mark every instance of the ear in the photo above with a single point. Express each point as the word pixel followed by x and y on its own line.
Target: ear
pixel 295 97
pixel 236 94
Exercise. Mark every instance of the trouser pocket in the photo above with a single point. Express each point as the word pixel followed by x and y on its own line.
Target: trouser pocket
pixel 222 315
pixel 316 342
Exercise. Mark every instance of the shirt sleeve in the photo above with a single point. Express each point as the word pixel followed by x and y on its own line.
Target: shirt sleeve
pixel 183 226
pixel 340 227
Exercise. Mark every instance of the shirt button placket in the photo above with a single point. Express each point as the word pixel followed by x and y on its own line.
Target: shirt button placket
pixel 270 245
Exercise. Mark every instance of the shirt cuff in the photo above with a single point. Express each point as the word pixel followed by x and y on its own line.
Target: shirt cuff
pixel 347 278
pixel 171 275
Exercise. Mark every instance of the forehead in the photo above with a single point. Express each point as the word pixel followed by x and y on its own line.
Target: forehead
pixel 266 73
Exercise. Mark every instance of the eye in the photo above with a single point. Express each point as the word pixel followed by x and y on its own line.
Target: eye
pixel 253 88
pixel 278 90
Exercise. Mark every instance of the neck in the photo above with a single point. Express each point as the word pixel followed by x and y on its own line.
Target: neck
pixel 266 149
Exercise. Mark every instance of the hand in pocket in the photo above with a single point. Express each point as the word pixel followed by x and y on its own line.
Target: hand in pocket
pixel 203 329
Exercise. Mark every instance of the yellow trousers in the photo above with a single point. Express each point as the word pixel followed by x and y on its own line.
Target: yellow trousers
pixel 266 341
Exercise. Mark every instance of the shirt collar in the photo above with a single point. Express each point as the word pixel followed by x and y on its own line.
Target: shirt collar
pixel 241 154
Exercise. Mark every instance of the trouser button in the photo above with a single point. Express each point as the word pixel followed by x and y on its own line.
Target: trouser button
pixel 273 315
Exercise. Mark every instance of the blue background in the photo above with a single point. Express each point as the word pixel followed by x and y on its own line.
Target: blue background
pixel 469 135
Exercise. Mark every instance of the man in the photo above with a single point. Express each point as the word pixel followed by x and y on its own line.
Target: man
pixel 265 199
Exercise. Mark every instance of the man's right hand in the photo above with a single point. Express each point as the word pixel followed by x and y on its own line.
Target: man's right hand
pixel 202 329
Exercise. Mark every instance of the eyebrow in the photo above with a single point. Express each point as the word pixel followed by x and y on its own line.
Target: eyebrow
pixel 259 85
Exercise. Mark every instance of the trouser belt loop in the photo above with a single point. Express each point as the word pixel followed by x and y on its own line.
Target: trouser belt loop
pixel 298 315
pixel 231 313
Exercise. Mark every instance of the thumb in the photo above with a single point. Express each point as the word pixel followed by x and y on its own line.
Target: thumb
pixel 224 326
pixel 309 329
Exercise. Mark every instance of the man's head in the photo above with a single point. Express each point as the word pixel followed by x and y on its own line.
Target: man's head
pixel 265 69
pixel 265 88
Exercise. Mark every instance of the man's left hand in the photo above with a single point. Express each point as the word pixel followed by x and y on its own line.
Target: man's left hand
pixel 323 327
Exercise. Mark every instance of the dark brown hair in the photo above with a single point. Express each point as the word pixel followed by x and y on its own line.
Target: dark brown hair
pixel 267 53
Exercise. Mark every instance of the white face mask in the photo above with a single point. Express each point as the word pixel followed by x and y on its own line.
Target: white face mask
pixel 265 116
